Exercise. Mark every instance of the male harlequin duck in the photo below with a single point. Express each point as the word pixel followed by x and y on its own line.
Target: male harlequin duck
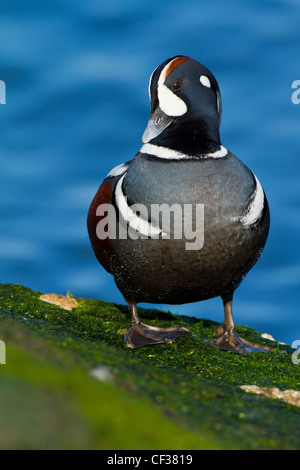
pixel 182 167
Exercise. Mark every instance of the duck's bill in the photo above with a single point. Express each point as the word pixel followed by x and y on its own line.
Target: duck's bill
pixel 157 123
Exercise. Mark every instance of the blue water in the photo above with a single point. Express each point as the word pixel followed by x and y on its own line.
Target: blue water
pixel 76 77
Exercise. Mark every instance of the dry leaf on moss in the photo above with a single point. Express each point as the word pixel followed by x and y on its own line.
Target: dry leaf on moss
pixel 290 396
pixel 64 301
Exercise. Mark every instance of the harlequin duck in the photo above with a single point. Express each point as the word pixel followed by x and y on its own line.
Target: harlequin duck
pixel 183 170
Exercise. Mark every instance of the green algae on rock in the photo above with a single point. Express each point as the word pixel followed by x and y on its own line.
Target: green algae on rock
pixel 102 395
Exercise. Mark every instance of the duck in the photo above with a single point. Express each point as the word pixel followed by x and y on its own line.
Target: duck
pixel 185 220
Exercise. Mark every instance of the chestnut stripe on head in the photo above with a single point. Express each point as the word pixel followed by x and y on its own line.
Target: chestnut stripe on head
pixel 171 65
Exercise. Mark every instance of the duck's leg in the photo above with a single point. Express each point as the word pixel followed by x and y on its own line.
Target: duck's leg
pixel 140 334
pixel 226 336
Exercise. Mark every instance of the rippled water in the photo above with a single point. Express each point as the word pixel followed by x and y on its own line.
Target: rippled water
pixel 76 77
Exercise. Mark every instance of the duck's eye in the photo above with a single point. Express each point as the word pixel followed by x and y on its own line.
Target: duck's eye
pixel 176 86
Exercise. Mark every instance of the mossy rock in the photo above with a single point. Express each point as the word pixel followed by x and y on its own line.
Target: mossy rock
pixel 70 382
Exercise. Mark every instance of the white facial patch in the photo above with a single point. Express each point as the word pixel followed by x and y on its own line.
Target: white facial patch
pixel 169 103
pixel 205 81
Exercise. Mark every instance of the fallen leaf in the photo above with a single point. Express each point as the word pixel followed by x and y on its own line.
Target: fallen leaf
pixel 64 301
pixel 290 396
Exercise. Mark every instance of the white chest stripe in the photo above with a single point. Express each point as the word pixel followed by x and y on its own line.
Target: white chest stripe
pixel 255 207
pixel 118 170
pixel 170 154
pixel 135 222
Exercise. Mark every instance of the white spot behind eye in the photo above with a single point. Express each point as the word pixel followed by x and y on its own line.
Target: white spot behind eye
pixel 205 81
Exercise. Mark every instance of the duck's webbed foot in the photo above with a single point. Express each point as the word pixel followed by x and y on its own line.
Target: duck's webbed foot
pixel 140 334
pixel 228 339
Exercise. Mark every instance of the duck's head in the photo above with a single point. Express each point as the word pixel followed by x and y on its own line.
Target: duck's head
pixel 185 107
